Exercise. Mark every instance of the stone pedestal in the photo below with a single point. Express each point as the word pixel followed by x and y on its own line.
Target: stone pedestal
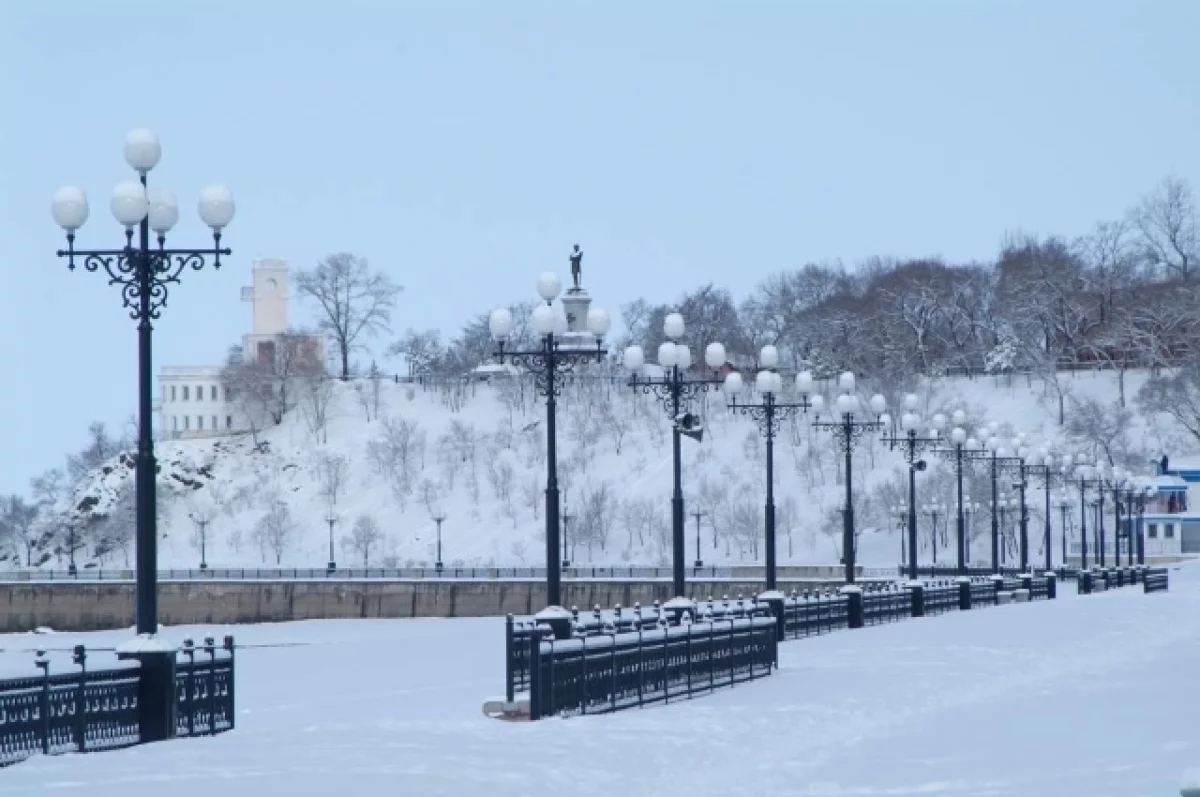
pixel 576 302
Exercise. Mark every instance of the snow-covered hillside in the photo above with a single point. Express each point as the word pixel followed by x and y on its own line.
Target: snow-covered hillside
pixel 476 453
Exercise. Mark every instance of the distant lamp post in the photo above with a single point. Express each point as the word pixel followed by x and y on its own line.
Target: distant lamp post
pixel 439 517
pixel 144 272
pixel 1089 476
pixel 332 520
pixel 72 570
pixel 769 412
pixel 847 426
pixel 912 442
pixel 1062 503
pixel 566 540
pixel 699 559
pixel 676 392
pixel 900 513
pixel 1043 466
pixel 1001 460
pixel 201 520
pixel 561 349
pixel 933 510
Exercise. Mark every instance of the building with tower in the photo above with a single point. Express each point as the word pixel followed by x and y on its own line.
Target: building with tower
pixel 192 401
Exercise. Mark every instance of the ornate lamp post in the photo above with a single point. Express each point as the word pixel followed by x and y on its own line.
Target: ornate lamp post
pixel 933 510
pixel 1043 468
pixel 769 413
pixel 900 513
pixel 699 560
pixel 961 450
pixel 1148 491
pixel 564 346
pixel 1002 461
pixel 847 432
pixel 675 391
pixel 912 444
pixel 1063 504
pixel 1084 471
pixel 144 272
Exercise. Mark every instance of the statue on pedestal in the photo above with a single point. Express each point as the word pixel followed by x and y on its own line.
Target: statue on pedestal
pixel 577 267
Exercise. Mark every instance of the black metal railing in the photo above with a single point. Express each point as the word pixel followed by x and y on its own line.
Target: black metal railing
pixel 1155 579
pixel 951 571
pixel 711 573
pixel 91 710
pixel 886 606
pixel 813 612
pixel 983 593
pixel 82 711
pixel 606 673
pixel 204 688
pixel 941 598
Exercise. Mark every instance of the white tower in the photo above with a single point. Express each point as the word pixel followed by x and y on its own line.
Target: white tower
pixel 269 298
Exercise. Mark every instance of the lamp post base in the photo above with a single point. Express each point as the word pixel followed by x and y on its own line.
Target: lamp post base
pixel 331 567
pixel 566 563
pixel 72 571
pixel 699 563
pixel 437 566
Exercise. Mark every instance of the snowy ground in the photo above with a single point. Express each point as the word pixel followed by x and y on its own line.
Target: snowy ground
pixel 1087 695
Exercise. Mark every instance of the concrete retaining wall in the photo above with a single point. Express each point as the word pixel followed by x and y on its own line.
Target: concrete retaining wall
pixel 91 606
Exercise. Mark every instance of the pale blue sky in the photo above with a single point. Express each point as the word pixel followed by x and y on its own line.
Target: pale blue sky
pixel 464 146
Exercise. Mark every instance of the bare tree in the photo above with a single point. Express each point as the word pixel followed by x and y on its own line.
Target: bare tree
pixel 1170 237
pixel 332 471
pixel 364 537
pixel 353 302
pixel 274 530
pixel 394 454
pixel 1175 395
pixel 423 351
pixel 17 522
pixel 262 384
pixel 100 448
pixel 316 394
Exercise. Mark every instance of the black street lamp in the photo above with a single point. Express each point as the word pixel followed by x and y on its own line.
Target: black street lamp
pixel 565 342
pixel 1063 504
pixel 1083 471
pixel 933 511
pixel 675 391
pixel 72 570
pixel 769 413
pixel 1147 492
pixel 566 540
pixel 900 513
pixel 699 560
pixel 439 518
pixel 332 520
pixel 144 273
pixel 912 444
pixel 1002 461
pixel 847 432
pixel 961 451
pixel 202 522
pixel 1044 468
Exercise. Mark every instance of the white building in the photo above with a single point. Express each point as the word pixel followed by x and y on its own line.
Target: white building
pixel 192 402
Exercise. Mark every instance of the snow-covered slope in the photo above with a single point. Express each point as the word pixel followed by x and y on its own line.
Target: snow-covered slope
pixel 476 453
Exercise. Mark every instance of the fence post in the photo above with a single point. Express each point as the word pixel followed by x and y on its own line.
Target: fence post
pixel 79 656
pixel 43 664
pixel 1027 584
pixel 964 593
pixel 156 685
pixel 535 675
pixel 229 648
pixel 508 659
pixel 189 650
pixel 1084 582
pixel 1051 585
pixel 775 600
pixel 917 589
pixel 997 587
pixel 854 605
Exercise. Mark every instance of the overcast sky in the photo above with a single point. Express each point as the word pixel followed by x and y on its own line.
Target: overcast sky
pixel 464 146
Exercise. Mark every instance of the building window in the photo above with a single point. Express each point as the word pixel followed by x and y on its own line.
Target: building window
pixel 1152 530
pixel 228 394
pixel 214 424
pixel 200 422
pixel 199 392
pixel 186 418
pixel 174 423
pixel 185 392
pixel 228 421
pixel 172 392
pixel 1168 530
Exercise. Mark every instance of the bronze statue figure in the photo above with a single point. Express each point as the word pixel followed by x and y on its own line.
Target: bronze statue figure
pixel 577 265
